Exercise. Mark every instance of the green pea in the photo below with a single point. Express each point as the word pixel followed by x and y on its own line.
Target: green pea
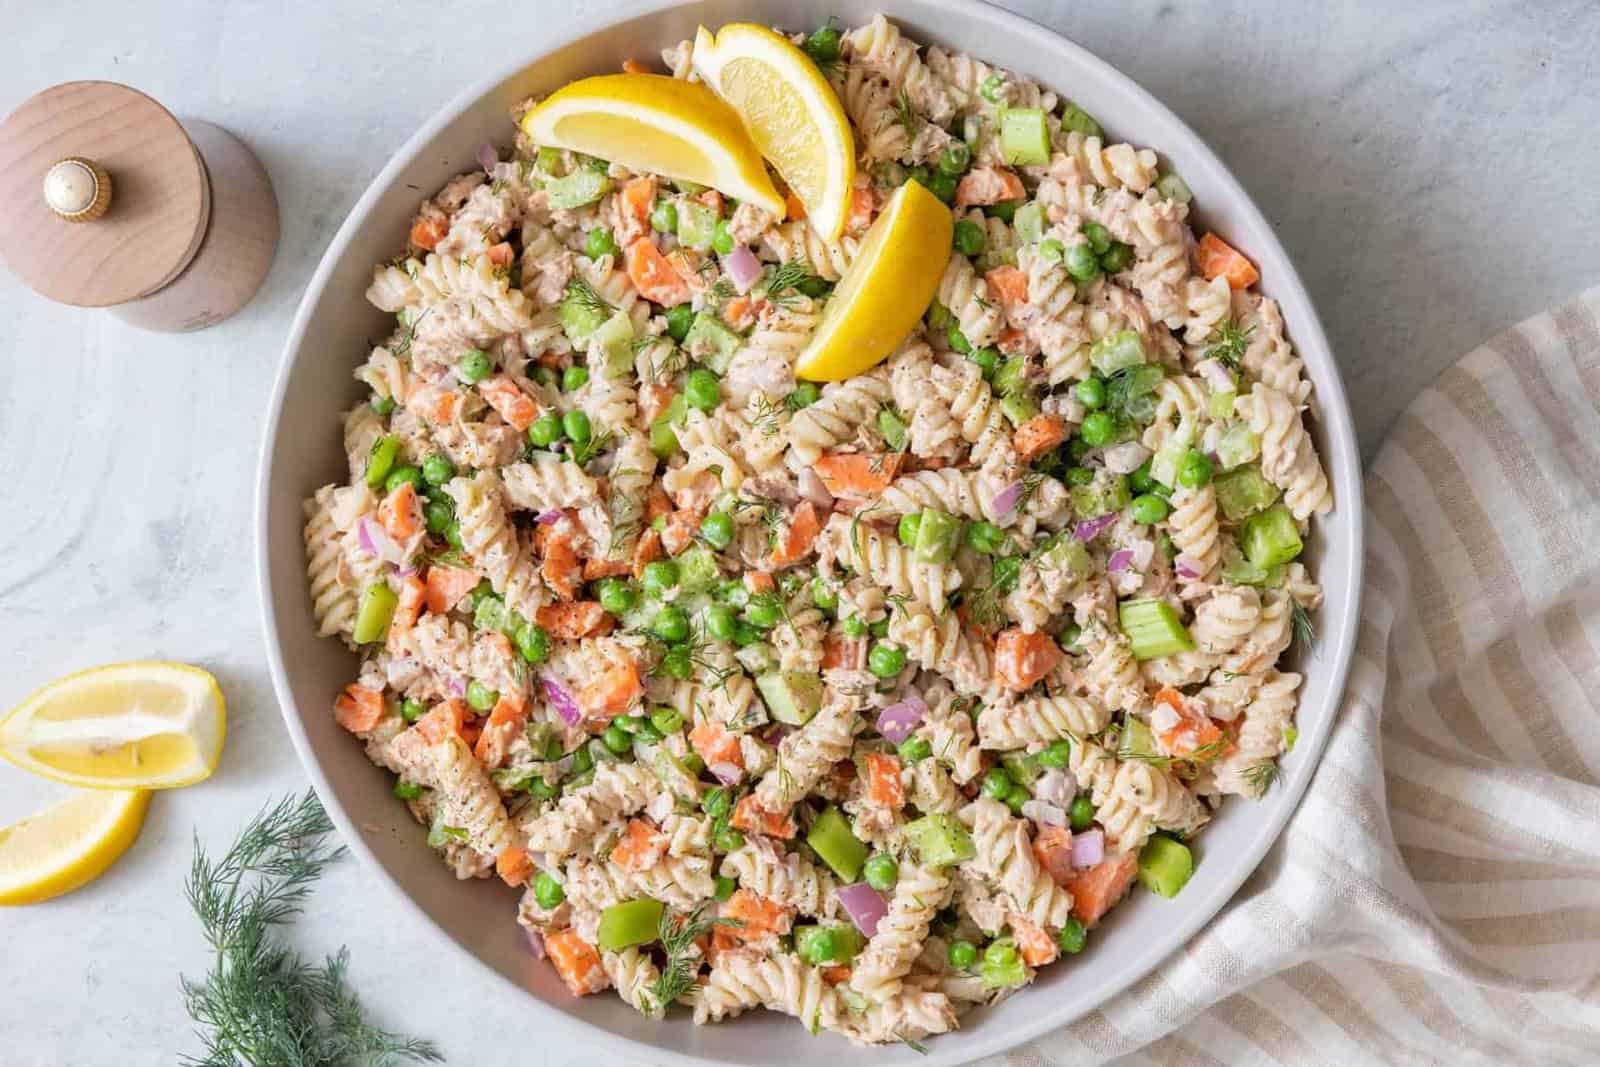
pixel 547 891
pixel 617 739
pixel 943 186
pixel 1005 210
pixel 480 697
pixel 915 749
pixel 600 243
pixel 728 839
pixel 814 287
pixel 886 661
pixel 920 174
pixel 452 534
pixel 648 734
pixel 401 476
pixel 988 361
pixel 1098 428
pixel 437 469
pixel 691 761
pixel 1140 481
pixel 1091 393
pixel 1016 798
pixel 854 627
pixel 823 44
pixel 722 241
pixel 616 595
pixel 545 376
pixel 716 529
pixel 1148 508
pixel 1099 237
pixel 703 390
pixel 1052 250
pixel 764 611
pixel 961 954
pixel 575 424
pixel 720 622
pixel 670 624
pixel 533 643
pixel 1081 263
pixel 1056 754
pixel 879 629
pixel 1195 469
pixel 805 394
pixel 679 319
pixel 582 760
pixel 991 86
pixel 733 592
pixel 659 576
pixel 474 366
pixel 997 784
pixel 1077 448
pixel 481 592
pixel 574 378
pixel 407 790
pixel 938 317
pixel 1079 476
pixel 545 430
pixel 882 871
pixel 1070 633
pixel 956 159
pixel 380 460
pixel 664 218
pixel 716 803
pixel 824 595
pixel 969 238
pixel 438 514
pixel 724 888
pixel 667 720
pixel 542 789
pixel 985 537
pixel 1005 572
pixel 1071 937
pixel 678 662
pixel 411 710
pixel 1081 814
pixel 1118 258
pixel 958 340
pixel 907 530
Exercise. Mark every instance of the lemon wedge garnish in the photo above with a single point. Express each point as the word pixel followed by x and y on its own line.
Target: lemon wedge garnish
pixel 649 122
pixel 69 845
pixel 146 725
pixel 886 289
pixel 793 115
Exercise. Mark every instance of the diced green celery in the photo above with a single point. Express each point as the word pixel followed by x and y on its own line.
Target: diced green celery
pixel 831 838
pixel 580 316
pixel 1220 405
pixel 1107 493
pixel 792 697
pixel 1165 463
pixel 1236 570
pixel 1131 383
pixel 697 570
pixel 684 185
pixel 827 943
pixel 1029 222
pixel 582 186
pixel 633 922
pixel 939 840
pixel 1012 377
pixel 1002 965
pixel 1018 407
pixel 1173 187
pixel 893 428
pixel 697 224
pixel 1067 554
pixel 663 439
pixel 1138 741
pixel 1153 628
pixel 615 338
pixel 1024 136
pixel 380 459
pixel 490 614
pixel 1165 865
pixel 938 537
pixel 1270 537
pixel 1075 118
pixel 1117 350
pixel 600 753
pixel 1022 768
pixel 1237 445
pixel 1243 491
pixel 1291 734
pixel 710 341
pixel 378 602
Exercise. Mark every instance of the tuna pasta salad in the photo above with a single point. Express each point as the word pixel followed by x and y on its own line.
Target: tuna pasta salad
pixel 824 526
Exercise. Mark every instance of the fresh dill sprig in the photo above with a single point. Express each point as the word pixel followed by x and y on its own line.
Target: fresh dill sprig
pixel 721 292
pixel 1305 632
pixel 582 295
pixel 984 608
pixel 1232 340
pixel 767 415
pixel 584 451
pixel 1260 776
pixel 261 1005
pixel 904 114
pixel 915 1046
pixel 678 932
pixel 408 333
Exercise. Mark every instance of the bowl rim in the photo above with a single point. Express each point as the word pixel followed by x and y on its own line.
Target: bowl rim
pixel 1341 455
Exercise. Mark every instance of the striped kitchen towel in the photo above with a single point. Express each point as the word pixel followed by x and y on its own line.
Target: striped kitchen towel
pixel 1436 897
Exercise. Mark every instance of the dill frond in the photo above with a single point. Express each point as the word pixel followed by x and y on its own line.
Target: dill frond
pixel 1232 340
pixel 1305 632
pixel 678 932
pixel 1260 776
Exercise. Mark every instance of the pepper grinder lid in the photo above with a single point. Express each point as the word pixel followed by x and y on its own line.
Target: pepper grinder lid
pixel 106 199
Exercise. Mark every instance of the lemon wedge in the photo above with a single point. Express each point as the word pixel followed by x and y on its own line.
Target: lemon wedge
pixel 885 290
pixel 69 845
pixel 791 111
pixel 649 122
pixel 145 725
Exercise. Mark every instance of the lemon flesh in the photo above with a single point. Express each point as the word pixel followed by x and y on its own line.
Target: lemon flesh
pixel 69 845
pixel 791 112
pixel 886 289
pixel 652 123
pixel 144 725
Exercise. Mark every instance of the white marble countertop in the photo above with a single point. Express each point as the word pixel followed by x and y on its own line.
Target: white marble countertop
pixel 1430 166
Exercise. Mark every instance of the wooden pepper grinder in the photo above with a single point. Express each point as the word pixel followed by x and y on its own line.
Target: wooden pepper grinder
pixel 113 202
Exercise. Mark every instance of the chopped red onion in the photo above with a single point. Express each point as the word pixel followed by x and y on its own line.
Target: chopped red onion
pixel 457 685
pixel 1187 568
pixel 406 572
pixel 1006 500
pixel 1216 375
pixel 376 541
pixel 864 905
pixel 562 700
pixel 488 156
pixel 743 268
pixel 1119 561
pixel 550 517
pixel 1088 848
pixel 535 943
pixel 1126 457
pixel 1044 814
pixel 774 732
pixel 813 489
pixel 726 773
pixel 896 721
pixel 1089 529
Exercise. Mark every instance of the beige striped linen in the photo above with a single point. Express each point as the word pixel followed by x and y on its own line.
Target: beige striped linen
pixel 1436 896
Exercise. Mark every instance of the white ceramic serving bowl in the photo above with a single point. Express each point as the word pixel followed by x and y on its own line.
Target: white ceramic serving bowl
pixel 301 450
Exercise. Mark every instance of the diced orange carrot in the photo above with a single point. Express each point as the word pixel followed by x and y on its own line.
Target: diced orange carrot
pixel 506 721
pixel 433 402
pixel 427 231
pixel 740 312
pixel 884 787
pixel 1013 342
pixel 576 962
pixel 595 568
pixel 613 692
pixel 863 204
pixel 639 847
pixel 1008 284
pixel 752 817
pixel 1038 947
pixel 1021 659
pixel 715 744
pixel 1037 436
pixel 358 709
pixel 573 619
pixel 633 66
pixel 656 503
pixel 442 721
pixel 447 585
pixel 841 651
pixel 711 199
pixel 1216 258
pixel 858 475
pixel 409 607
pixel 1095 889
pixel 792 207
pixel 1193 730
pixel 645 552
pixel 988 185
pixel 501 255
pixel 400 513
pixel 638 197
pixel 756 919
pixel 680 530
pixel 1052 847
pixel 516 407
pixel 838 974
pixel 800 536
pixel 513 865
pixel 653 275
pixel 560 568
pixel 759 582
